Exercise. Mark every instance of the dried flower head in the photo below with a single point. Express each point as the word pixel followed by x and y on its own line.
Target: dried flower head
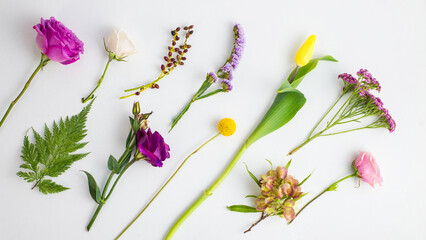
pixel 279 191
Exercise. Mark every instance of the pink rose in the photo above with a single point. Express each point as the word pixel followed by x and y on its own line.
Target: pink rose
pixel 57 42
pixel 367 169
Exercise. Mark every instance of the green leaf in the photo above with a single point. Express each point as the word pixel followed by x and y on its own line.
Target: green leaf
pixel 113 164
pixel 285 106
pixel 94 190
pixel 288 164
pixel 252 176
pixel 47 186
pixel 287 103
pixel 251 196
pixel 52 153
pixel 306 178
pixel 301 73
pixel 242 208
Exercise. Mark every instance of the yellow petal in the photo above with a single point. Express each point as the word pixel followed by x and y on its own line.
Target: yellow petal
pixel 304 54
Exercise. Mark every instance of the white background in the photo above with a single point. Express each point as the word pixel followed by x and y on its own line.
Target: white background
pixel 386 37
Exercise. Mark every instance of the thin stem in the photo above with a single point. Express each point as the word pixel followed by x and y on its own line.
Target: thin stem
pixel 351 130
pixel 210 94
pixel 95 215
pixel 294 74
pixel 332 187
pixel 44 60
pixel 310 134
pixel 207 193
pixel 161 189
pixel 340 109
pixel 91 95
pixel 118 178
pixel 306 142
pixel 262 217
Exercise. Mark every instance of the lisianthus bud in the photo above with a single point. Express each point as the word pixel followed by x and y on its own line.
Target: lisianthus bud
pixel 136 109
pixel 120 45
pixel 304 54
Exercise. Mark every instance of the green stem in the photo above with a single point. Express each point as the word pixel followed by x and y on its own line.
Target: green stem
pixel 91 95
pixel 118 178
pixel 351 130
pixel 44 60
pixel 332 187
pixel 95 215
pixel 306 142
pixel 210 94
pixel 207 193
pixel 315 127
pixel 103 200
pixel 340 109
pixel 161 189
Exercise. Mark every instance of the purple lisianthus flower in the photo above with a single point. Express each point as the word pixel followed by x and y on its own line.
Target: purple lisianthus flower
pixel 152 147
pixel 212 76
pixel 226 85
pixel 57 42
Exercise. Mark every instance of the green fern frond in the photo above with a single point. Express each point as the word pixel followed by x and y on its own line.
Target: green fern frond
pixel 53 152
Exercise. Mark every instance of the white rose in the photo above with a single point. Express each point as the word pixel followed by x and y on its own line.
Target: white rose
pixel 120 44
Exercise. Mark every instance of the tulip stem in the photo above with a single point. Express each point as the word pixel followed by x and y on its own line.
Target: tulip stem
pixel 332 187
pixel 91 95
pixel 207 193
pixel 44 60
pixel 167 182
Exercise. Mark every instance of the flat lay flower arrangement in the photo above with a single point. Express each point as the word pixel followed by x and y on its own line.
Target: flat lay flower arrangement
pixel 47 155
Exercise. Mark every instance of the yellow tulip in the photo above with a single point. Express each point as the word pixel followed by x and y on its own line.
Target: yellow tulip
pixel 304 54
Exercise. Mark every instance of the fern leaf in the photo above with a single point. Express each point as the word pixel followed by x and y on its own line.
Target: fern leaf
pixel 47 186
pixel 53 153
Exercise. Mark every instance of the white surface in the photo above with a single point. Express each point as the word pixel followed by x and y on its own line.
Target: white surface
pixel 386 37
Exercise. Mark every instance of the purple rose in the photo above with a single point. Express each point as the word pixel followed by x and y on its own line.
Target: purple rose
pixel 152 147
pixel 57 42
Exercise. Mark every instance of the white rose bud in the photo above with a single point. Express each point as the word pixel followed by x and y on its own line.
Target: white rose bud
pixel 120 45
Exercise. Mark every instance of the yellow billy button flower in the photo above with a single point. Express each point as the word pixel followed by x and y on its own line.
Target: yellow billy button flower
pixel 227 126
pixel 304 54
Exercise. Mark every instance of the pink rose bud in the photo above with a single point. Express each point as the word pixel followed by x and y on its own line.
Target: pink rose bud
pixel 367 169
pixel 57 42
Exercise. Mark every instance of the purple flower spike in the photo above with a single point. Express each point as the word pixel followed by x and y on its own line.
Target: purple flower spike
pixel 152 147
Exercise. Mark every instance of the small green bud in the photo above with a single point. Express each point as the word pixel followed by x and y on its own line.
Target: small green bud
pixel 136 108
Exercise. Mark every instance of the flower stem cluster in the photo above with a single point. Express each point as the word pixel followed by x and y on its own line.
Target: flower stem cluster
pixel 175 57
pixel 359 105
pixel 141 143
pixel 224 74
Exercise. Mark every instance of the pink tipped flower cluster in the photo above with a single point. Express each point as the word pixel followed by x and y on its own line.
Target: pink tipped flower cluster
pixel 279 193
pixel 364 99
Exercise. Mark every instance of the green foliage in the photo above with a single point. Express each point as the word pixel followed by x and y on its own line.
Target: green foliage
pixel 94 190
pixel 252 176
pixel 242 208
pixel 287 103
pixel 53 153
